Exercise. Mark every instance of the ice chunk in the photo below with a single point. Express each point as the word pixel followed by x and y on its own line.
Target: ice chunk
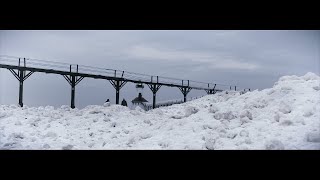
pixel 113 124
pixel 271 91
pixel 68 147
pixel 49 108
pixel 310 76
pixel 317 88
pixel 12 145
pixel 2 114
pixel 274 145
pixel 210 143
pixel 244 133
pixel 277 117
pixel 190 110
pixel 46 146
pixel 147 121
pixel 313 137
pixel 106 104
pixel 65 108
pixel 163 144
pixel 213 109
pixel 289 78
pixel 308 113
pixel 246 113
pixel 138 108
pixel 18 123
pixel 248 141
pixel 286 122
pixel 145 136
pixel 244 120
pixel 231 135
pixel 218 116
pixel 131 141
pixel 228 115
pixel 17 136
pixel 78 113
pixel 51 134
pixel 158 111
pixel 95 111
pixel 106 119
pixel 286 88
pixel 284 108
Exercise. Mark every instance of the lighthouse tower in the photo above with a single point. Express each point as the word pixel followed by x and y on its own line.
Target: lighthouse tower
pixel 139 101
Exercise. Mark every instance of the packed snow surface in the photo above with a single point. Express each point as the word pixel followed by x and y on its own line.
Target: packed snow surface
pixel 286 116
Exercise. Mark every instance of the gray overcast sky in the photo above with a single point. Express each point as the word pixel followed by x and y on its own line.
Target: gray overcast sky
pixel 248 59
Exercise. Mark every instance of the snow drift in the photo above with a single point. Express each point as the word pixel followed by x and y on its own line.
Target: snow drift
pixel 286 116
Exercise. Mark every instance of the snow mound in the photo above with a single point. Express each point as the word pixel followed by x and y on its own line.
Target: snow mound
pixel 286 116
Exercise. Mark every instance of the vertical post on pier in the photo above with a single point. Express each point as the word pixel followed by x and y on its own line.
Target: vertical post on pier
pixel 20 87
pixel 73 86
pixel 235 88
pixel 24 65
pixel 20 74
pixel 185 91
pixel 117 84
pixel 154 97
pixel 117 91
pixel 154 88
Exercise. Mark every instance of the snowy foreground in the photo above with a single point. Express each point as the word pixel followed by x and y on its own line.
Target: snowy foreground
pixel 286 116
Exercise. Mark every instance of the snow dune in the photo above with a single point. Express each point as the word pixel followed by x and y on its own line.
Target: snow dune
pixel 286 116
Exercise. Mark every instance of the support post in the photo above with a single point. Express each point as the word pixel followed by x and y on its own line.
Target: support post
pixel 117 92
pixel 21 76
pixel 185 91
pixel 73 87
pixel 21 88
pixel 154 97
pixel 117 84
pixel 73 80
pixel 154 88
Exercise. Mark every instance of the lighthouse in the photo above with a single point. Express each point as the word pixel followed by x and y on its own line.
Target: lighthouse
pixel 139 101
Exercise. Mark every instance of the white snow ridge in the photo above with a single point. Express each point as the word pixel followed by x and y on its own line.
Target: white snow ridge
pixel 286 116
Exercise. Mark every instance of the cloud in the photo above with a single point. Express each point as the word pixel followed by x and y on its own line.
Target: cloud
pixel 211 60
